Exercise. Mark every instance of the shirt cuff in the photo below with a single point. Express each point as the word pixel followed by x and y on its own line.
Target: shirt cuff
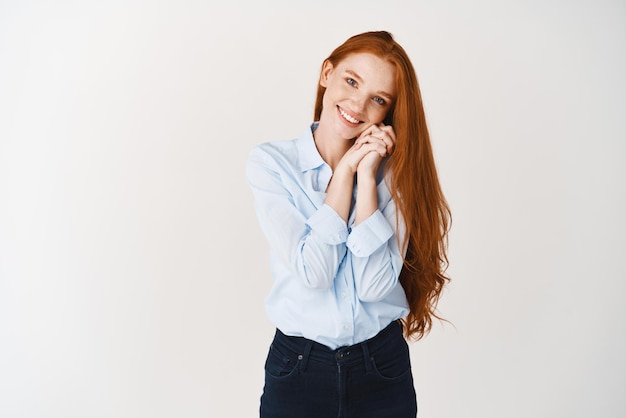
pixel 329 227
pixel 369 235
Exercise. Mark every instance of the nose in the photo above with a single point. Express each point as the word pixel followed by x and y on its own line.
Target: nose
pixel 359 101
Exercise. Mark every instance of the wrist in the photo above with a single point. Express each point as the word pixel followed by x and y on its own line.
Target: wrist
pixel 368 173
pixel 344 170
pixel 365 179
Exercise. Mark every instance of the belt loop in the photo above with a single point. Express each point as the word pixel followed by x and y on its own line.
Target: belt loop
pixel 305 355
pixel 366 357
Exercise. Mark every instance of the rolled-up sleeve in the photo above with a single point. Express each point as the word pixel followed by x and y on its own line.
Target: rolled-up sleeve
pixel 369 235
pixel 374 248
pixel 330 227
pixel 311 248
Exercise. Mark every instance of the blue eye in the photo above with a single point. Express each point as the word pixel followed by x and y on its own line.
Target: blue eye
pixel 379 100
pixel 351 82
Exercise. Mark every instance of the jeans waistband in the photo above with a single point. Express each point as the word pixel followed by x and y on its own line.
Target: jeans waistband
pixel 347 354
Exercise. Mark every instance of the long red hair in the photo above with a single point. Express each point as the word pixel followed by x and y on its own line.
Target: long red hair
pixel 413 183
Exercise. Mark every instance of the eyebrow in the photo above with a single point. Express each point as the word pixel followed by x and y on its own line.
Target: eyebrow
pixel 380 92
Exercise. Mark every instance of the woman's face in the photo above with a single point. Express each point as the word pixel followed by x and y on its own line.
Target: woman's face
pixel 360 91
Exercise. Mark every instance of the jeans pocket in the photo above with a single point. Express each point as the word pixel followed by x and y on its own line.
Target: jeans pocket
pixel 279 364
pixel 392 367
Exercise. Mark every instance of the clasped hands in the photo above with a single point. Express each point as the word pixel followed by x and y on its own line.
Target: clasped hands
pixel 369 149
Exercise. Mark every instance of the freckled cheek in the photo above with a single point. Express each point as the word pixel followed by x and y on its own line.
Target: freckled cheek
pixel 376 114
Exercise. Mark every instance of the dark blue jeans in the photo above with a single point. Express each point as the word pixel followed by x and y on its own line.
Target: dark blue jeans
pixel 372 379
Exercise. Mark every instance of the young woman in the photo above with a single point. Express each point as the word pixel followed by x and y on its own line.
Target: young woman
pixel 357 225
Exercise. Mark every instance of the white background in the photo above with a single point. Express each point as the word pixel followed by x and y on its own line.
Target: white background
pixel 132 269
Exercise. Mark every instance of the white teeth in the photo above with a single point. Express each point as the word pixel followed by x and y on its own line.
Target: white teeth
pixel 348 117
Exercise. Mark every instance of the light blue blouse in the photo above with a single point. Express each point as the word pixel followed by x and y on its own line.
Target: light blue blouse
pixel 334 283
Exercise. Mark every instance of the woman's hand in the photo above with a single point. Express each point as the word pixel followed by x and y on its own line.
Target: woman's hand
pixel 379 142
pixel 368 150
pixel 363 158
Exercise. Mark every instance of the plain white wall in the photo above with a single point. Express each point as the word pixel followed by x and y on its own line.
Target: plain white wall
pixel 132 269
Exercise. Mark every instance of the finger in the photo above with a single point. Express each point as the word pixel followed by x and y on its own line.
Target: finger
pixel 388 129
pixel 377 147
pixel 381 140
pixel 385 139
pixel 369 139
pixel 372 130
pixel 383 132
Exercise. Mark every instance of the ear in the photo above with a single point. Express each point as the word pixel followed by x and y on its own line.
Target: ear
pixel 327 68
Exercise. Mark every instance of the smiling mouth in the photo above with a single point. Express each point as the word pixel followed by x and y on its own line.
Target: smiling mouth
pixel 348 117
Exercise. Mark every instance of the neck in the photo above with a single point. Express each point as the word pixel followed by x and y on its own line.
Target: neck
pixel 331 147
